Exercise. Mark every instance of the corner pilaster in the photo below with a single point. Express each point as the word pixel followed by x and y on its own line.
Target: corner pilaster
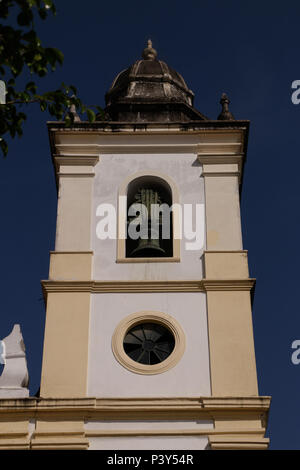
pixel 65 358
pixel 231 344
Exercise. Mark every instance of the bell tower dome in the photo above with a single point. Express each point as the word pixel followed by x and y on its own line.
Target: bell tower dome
pixel 150 91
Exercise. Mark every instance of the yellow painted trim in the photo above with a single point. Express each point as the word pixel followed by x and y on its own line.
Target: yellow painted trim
pixel 148 286
pixel 148 260
pixel 76 175
pixel 226 265
pixel 238 442
pixel 239 422
pixel 168 432
pixel 76 160
pixel 224 404
pixel 140 317
pixel 228 284
pixel 71 265
pixel 231 343
pixel 65 355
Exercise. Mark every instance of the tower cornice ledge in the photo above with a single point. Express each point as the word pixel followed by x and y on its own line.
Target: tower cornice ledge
pixel 33 431
pixel 148 286
pixel 115 404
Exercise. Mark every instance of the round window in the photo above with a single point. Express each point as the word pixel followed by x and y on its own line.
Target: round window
pixel 149 343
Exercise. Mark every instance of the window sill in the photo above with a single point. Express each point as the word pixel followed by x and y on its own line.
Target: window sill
pixel 148 260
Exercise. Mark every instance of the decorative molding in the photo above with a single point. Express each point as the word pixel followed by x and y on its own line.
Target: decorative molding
pixel 57 252
pixel 214 159
pixel 225 173
pixel 76 175
pixel 144 404
pixel 76 160
pixel 148 260
pixel 239 422
pixel 94 287
pixel 168 432
pixel 238 441
pixel 160 128
pixel 122 286
pixel 204 148
pixel 64 440
pixel 228 284
pixel 226 251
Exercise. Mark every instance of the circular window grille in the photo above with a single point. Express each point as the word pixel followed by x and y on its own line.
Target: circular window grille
pixel 149 343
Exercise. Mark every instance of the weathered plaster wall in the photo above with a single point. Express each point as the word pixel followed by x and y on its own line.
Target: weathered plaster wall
pixel 189 377
pixel 110 173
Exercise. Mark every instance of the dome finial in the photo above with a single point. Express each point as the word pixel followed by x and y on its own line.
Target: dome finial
pixel 149 53
pixel 225 114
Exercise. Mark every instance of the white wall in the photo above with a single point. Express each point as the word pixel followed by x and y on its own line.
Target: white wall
pixel 188 378
pixel 144 443
pixel 110 173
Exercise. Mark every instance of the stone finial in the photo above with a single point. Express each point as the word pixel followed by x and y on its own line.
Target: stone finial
pixel 149 53
pixel 72 111
pixel 225 114
pixel 14 378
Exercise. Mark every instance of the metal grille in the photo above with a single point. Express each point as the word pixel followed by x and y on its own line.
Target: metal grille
pixel 149 343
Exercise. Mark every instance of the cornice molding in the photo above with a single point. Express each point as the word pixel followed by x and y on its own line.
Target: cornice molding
pixel 219 159
pixel 205 149
pixel 171 432
pixel 119 405
pixel 122 286
pixel 76 175
pixel 228 284
pixel 94 287
pixel 224 173
pixel 76 160
pixel 238 441
pixel 232 422
pixel 212 165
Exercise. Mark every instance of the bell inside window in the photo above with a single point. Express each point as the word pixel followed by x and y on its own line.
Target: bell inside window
pixel 149 220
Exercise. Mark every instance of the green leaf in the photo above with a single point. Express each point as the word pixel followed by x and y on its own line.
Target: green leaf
pixel 43 105
pixel 31 86
pixel 91 115
pixel 4 146
pixel 59 55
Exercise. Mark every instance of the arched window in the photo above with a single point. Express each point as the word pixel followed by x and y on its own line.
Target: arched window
pixel 149 218
pixel 158 238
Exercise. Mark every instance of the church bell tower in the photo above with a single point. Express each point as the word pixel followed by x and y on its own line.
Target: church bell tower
pixel 148 337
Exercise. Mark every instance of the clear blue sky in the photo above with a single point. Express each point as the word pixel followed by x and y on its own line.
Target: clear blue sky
pixel 247 49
